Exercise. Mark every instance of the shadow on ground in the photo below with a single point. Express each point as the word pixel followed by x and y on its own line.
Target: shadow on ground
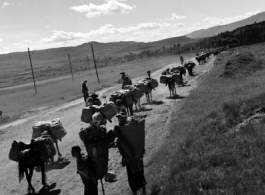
pixel 154 103
pixel 176 97
pixel 61 163
pixel 143 109
pixel 49 190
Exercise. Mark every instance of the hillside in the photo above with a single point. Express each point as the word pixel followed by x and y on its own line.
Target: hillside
pixel 100 49
pixel 228 27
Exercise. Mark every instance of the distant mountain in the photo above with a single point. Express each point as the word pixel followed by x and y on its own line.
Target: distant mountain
pixel 100 49
pixel 228 27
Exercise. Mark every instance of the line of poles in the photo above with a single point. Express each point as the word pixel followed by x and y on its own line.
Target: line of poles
pixel 71 69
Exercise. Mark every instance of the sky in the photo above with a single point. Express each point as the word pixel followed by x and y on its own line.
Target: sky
pixel 42 24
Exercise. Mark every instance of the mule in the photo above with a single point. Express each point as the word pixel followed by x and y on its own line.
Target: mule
pixel 148 93
pixel 30 159
pixel 172 87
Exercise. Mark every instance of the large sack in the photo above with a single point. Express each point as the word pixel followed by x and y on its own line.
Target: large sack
pixel 87 114
pixel 136 93
pixel 153 83
pixel 163 79
pixel 109 110
pixel 39 127
pixel 126 97
pixel 97 147
pixel 14 151
pixel 134 133
pixel 45 147
pixel 58 129
pixel 142 87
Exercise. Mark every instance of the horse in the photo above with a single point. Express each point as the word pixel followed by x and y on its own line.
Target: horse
pixel 29 159
pixel 171 87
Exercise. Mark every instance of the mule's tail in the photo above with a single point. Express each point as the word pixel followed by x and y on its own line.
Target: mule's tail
pixel 21 168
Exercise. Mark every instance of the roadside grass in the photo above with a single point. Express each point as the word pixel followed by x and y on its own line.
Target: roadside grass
pixel 201 154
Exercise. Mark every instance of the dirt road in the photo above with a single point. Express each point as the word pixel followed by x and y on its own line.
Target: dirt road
pixel 62 176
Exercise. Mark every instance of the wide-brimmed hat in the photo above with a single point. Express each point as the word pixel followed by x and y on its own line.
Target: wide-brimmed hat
pixel 122 73
pixel 122 115
pixel 148 71
pixel 94 95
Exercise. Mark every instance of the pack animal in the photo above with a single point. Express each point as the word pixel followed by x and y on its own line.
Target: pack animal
pixel 28 161
pixel 172 87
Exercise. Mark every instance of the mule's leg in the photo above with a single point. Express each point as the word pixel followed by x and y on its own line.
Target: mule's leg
pixel 131 109
pixel 57 147
pixel 43 176
pixel 151 96
pixel 29 176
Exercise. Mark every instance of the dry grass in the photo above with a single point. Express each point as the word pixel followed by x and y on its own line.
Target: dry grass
pixel 200 155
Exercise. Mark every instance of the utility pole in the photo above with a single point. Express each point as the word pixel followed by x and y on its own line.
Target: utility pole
pixel 71 67
pixel 95 62
pixel 99 66
pixel 32 72
pixel 88 64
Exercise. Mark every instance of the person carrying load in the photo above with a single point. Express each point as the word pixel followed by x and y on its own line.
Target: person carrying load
pixel 132 159
pixel 95 100
pixel 125 80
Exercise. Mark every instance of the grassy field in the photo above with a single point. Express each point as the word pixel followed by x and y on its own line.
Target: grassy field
pixel 202 153
pixel 20 101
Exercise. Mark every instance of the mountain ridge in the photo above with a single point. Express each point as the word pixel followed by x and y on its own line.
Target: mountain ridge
pixel 212 31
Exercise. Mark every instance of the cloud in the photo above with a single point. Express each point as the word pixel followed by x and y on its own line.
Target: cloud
pixel 216 21
pixel 5 4
pixel 24 44
pixel 110 7
pixel 106 30
pixel 174 17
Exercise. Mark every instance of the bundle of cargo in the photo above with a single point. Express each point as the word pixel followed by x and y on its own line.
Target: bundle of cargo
pixel 141 86
pixel 164 78
pixel 57 129
pixel 54 125
pixel 126 97
pixel 135 92
pixel 14 153
pixel 97 146
pixel 43 145
pixel 108 110
pixel 149 81
pixel 39 127
pixel 134 132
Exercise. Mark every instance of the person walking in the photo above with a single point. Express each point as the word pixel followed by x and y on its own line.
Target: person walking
pixel 125 80
pixel 85 90
pixel 85 170
pixel 181 60
pixel 149 74
pixel 134 166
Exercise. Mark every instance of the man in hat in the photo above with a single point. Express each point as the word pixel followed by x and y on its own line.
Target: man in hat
pixel 85 90
pixel 125 80
pixel 95 100
pixel 85 170
pixel 149 74
pixel 134 166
